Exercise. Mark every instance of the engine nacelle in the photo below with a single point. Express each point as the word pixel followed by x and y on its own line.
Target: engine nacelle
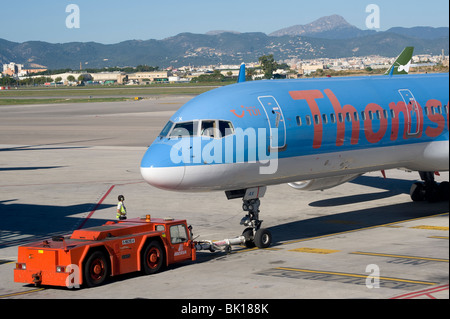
pixel 323 183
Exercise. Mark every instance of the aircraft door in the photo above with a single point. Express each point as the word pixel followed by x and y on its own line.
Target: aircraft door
pixel 277 123
pixel 413 117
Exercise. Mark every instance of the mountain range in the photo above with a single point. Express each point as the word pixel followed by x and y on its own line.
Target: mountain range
pixel 331 37
pixel 331 27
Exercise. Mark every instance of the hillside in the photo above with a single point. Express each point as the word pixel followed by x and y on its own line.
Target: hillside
pixel 329 37
pixel 331 27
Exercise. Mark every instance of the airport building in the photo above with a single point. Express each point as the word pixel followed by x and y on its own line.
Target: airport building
pixel 109 77
pixel 144 77
pixel 64 77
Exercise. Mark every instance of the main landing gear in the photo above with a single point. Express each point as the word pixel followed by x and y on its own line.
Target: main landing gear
pixel 429 190
pixel 254 234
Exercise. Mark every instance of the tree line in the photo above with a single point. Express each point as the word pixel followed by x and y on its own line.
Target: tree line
pixel 10 81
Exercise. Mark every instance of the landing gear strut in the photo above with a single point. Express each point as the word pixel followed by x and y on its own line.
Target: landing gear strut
pixel 429 190
pixel 254 234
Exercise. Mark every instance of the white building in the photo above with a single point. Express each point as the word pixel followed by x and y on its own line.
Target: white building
pixel 12 69
pixel 157 76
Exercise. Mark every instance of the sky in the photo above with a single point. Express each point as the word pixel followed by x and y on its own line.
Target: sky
pixel 113 21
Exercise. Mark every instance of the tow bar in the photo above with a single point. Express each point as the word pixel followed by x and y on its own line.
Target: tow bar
pixel 223 245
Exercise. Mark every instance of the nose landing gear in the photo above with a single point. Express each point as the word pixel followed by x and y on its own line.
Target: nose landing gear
pixel 254 234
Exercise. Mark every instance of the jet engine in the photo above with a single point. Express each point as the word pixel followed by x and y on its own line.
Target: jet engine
pixel 322 183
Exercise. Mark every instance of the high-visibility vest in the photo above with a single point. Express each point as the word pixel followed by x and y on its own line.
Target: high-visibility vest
pixel 121 209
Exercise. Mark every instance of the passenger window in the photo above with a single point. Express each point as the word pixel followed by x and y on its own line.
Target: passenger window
pixel 393 113
pixel 348 117
pixel 333 118
pixel 208 128
pixel 363 115
pixel 299 121
pixel 378 115
pixel 178 234
pixel 341 119
pixel 386 114
pixel 317 119
pixel 186 129
pixel 308 120
pixel 324 118
pixel 226 128
pixel 355 116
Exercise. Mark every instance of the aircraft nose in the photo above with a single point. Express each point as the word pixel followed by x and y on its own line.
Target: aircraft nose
pixel 158 169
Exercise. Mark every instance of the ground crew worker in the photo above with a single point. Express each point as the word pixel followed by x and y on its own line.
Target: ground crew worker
pixel 121 210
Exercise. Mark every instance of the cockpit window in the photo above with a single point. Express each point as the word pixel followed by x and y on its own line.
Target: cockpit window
pixel 226 128
pixel 185 129
pixel 216 128
pixel 207 128
pixel 165 131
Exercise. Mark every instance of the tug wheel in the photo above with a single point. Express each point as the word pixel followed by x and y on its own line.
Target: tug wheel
pixel 153 258
pixel 96 269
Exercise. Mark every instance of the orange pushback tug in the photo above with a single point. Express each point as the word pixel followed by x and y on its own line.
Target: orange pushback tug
pixel 89 256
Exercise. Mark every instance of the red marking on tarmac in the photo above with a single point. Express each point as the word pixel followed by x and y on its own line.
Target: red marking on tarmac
pixel 101 201
pixel 427 293
pixel 96 207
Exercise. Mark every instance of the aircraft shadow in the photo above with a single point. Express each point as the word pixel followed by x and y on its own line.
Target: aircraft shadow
pixel 352 199
pixel 21 223
pixel 355 220
pixel 392 186
pixel 50 147
pixel 5 169
pixel 395 185
pixel 38 148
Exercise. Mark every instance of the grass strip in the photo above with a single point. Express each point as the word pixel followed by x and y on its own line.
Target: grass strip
pixel 61 100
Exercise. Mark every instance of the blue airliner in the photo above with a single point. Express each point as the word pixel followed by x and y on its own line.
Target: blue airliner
pixel 313 134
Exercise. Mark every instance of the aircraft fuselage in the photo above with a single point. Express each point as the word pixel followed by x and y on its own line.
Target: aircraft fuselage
pixel 271 132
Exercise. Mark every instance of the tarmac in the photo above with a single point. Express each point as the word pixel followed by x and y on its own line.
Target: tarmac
pixel 63 166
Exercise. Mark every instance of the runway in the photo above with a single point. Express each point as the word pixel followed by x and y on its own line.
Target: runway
pixel 62 167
